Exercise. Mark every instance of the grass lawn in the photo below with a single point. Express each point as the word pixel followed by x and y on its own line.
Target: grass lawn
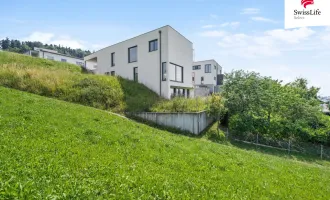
pixel 52 149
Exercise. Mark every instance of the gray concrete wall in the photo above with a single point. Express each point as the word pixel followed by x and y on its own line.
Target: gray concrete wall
pixel 193 122
pixel 202 91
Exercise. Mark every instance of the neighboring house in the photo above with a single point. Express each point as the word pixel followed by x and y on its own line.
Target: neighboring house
pixel 54 55
pixel 207 75
pixel 160 59
pixel 325 109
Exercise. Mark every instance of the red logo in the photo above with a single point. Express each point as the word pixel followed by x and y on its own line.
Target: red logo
pixel 305 3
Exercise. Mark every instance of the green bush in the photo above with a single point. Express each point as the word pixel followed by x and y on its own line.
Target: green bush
pixel 180 104
pixel 215 134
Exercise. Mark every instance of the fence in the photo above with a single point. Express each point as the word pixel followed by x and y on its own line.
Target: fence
pixel 289 145
pixel 194 122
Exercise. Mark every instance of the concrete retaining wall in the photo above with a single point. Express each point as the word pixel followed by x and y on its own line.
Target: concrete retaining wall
pixel 193 122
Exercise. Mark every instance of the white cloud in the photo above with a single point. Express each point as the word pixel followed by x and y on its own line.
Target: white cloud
pixel 50 38
pixel 250 11
pixel 231 24
pixel 326 35
pixel 291 36
pixel 263 19
pixel 213 33
pixel 214 16
pixel 96 47
pixel 267 44
pixel 40 37
pixel 226 24
pixel 208 26
pixel 69 43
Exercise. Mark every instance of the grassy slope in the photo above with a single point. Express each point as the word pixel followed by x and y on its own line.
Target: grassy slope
pixel 50 148
pixel 60 80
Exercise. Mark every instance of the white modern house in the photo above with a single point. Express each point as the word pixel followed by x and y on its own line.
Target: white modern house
pixel 160 59
pixel 207 74
pixel 54 55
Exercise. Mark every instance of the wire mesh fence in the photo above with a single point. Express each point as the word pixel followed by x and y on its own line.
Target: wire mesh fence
pixel 289 145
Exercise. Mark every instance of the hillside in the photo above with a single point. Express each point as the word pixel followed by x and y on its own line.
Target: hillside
pixel 66 82
pixel 54 149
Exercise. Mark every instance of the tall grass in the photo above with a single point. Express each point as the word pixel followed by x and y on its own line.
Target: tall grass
pixel 66 82
pixel 180 104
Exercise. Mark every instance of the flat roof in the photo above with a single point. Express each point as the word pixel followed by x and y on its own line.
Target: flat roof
pixel 56 53
pixel 141 35
pixel 195 62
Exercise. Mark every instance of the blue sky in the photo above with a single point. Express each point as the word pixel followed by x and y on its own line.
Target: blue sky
pixel 239 34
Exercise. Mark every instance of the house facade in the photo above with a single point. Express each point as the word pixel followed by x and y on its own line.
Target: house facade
pixel 208 75
pixel 160 59
pixel 54 55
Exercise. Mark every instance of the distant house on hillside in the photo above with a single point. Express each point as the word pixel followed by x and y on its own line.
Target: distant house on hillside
pixel 325 109
pixel 207 76
pixel 54 55
pixel 160 59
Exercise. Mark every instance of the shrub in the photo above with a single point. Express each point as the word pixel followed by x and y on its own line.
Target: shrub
pixel 180 104
pixel 215 134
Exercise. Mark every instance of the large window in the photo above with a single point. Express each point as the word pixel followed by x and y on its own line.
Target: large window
pixel 80 63
pixel 196 67
pixel 176 73
pixel 113 73
pixel 63 60
pixel 112 59
pixel 135 74
pixel 132 54
pixel 208 68
pixel 164 71
pixel 153 45
pixel 50 57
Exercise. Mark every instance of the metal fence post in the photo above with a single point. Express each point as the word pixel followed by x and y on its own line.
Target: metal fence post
pixel 321 152
pixel 289 147
pixel 257 138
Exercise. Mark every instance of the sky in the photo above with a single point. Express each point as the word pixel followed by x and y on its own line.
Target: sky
pixel 238 34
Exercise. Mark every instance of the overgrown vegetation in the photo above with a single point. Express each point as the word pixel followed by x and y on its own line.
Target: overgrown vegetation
pixel 52 149
pixel 180 104
pixel 24 46
pixel 66 82
pixel 260 105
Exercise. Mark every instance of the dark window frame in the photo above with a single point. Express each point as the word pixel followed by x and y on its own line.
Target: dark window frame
pixel 112 59
pixel 176 73
pixel 163 77
pixel 155 41
pixel 197 67
pixel 134 72
pixel 210 69
pixel 129 55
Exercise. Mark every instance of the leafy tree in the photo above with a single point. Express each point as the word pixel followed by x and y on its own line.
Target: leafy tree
pixel 261 105
pixel 5 44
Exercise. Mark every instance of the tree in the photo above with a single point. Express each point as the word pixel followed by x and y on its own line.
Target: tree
pixel 261 105
pixel 216 108
pixel 5 44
